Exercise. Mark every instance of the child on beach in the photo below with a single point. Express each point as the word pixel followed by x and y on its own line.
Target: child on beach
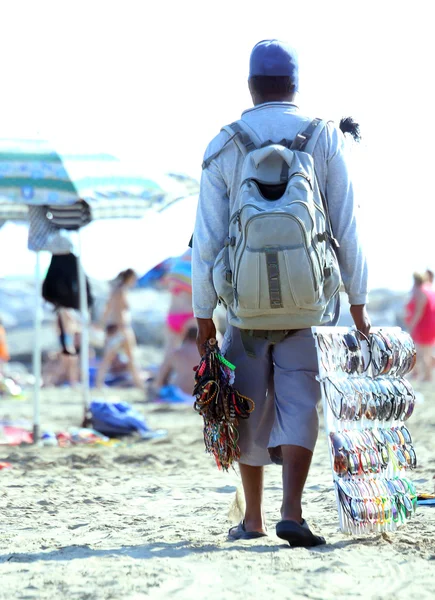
pixel 175 379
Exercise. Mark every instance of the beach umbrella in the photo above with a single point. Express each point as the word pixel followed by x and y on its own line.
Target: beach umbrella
pixel 174 271
pixel 180 272
pixel 155 275
pixel 66 190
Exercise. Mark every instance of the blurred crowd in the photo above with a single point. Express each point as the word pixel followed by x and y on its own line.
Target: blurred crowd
pixel 113 357
pixel 171 381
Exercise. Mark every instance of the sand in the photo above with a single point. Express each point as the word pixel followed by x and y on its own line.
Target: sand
pixel 149 520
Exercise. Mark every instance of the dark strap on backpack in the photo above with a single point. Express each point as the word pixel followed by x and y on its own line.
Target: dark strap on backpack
pixel 306 141
pixel 303 137
pixel 244 137
pixel 244 140
pixel 211 158
pixel 241 137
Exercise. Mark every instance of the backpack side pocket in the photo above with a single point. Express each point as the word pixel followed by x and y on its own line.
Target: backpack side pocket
pixel 332 275
pixel 223 278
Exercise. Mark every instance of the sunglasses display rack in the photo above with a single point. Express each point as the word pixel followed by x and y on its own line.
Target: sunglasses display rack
pixel 367 402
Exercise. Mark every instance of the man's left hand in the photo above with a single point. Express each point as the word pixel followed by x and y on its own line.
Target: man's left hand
pixel 206 332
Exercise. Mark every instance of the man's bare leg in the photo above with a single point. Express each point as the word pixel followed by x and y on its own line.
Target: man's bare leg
pixel 252 479
pixel 296 464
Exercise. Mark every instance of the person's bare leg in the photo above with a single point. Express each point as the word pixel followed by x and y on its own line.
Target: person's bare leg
pixel 173 341
pixel 419 371
pixel 58 371
pixel 72 370
pixel 75 375
pixel 137 379
pixel 296 464
pixel 252 479
pixel 128 347
pixel 108 357
pixel 427 363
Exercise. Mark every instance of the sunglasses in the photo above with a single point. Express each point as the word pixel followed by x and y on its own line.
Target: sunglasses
pixel 343 353
pixel 377 501
pixel 371 450
pixel 383 398
pixel 392 352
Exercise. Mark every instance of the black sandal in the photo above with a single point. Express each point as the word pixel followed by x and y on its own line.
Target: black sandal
pixel 298 535
pixel 239 533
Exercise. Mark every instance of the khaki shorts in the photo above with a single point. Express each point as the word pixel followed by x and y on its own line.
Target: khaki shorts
pixel 281 380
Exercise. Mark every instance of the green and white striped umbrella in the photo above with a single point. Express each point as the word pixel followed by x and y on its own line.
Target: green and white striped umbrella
pixel 55 190
pixel 33 174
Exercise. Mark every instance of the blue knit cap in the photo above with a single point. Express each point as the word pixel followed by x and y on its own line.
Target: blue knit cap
pixel 272 58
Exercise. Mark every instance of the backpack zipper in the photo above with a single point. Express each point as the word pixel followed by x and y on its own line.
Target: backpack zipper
pixel 236 218
pixel 307 179
pixel 314 244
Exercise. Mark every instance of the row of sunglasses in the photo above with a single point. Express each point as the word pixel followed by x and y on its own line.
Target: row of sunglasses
pixel 377 501
pixel 372 450
pixel 383 398
pixel 389 352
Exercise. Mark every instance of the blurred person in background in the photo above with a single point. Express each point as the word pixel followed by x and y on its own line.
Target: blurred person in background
pixel 175 380
pixel 180 314
pixel 120 337
pixel 420 319
pixel 62 367
pixel 8 385
pixel 180 320
pixel 68 326
pixel 429 276
pixel 4 352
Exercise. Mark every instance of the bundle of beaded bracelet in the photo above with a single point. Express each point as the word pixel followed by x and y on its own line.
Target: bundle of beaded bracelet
pixel 220 405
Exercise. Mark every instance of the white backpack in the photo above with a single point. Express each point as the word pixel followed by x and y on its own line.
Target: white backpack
pixel 278 269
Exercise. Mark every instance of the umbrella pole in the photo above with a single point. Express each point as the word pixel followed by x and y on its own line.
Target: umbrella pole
pixel 37 364
pixel 84 337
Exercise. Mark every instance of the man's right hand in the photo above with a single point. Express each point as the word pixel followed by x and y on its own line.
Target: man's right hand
pixel 206 331
pixel 361 318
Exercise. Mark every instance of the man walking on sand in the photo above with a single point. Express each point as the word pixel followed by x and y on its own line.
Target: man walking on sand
pixel 265 245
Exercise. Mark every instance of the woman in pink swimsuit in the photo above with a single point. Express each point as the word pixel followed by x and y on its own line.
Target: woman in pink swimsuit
pixel 420 318
pixel 180 315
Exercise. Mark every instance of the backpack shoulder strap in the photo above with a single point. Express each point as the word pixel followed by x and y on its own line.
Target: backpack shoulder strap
pixel 211 158
pixel 306 139
pixel 250 134
pixel 242 135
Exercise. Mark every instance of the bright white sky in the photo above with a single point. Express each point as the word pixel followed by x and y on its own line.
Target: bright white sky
pixel 155 81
